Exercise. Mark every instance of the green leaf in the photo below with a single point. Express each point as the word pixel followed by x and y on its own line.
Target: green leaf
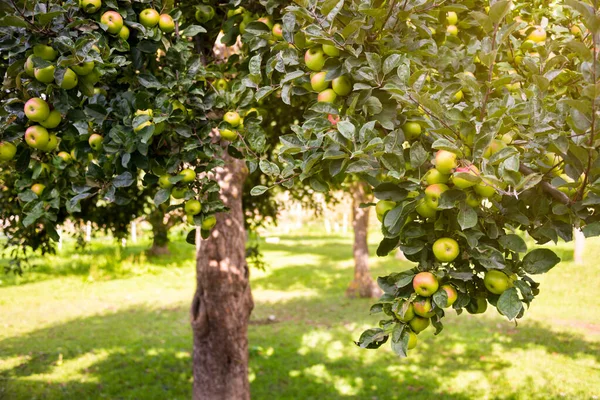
pixel 499 10
pixel 193 30
pixel 467 217
pixel 399 341
pixel 390 191
pixel 123 180
pixel 440 298
pixel 418 155
pixel 372 338
pixel 539 261
pixel 258 190
pixel 513 242
pixel 591 230
pixel 161 196
pixel 347 129
pixel 509 303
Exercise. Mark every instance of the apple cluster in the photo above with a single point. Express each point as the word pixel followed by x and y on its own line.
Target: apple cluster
pixel 328 90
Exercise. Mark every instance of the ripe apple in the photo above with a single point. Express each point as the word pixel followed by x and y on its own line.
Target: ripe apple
pixel 477 305
pixel 433 194
pixel 36 109
pixel 267 21
pixel 166 23
pixel 192 207
pixel 497 281
pixel 228 134
pixel 70 80
pixel 113 21
pixel 7 151
pixel 485 189
pixel 204 13
pixel 314 58
pixel 452 294
pixel 95 141
pixel 382 207
pixel 451 18
pixel 408 315
pixel 412 340
pixel 149 17
pixel 423 307
pixel 44 75
pixel 342 85
pixel 90 6
pixel 66 157
pixel 189 175
pixel 424 210
pixel 178 192
pixel 45 52
pixel 418 324
pixel 209 222
pixel 434 176
pixel 37 137
pixel 445 161
pixel 445 249
pixel 463 183
pixel 412 130
pixel 277 31
pixel 124 33
pixel 83 68
pixel 318 82
pixel 232 118
pixel 29 67
pixel 38 188
pixel 327 96
pixel 538 35
pixel 331 50
pixel 52 143
pixel 334 119
pixel 576 30
pixel 425 284
pixel 452 30
pixel 164 182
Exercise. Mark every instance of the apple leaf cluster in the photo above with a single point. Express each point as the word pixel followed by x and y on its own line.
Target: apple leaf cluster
pixel 473 121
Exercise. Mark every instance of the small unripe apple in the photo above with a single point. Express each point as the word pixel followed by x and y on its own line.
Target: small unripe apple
pixel 166 23
pixel 149 17
pixel 38 188
pixel 451 293
pixel 209 222
pixel 204 13
pixel 7 151
pixel 342 85
pixel 423 307
pixel 192 207
pixel 277 31
pixel 408 315
pixel 66 157
pixel 52 143
pixel 221 84
pixel 463 183
pixel 497 281
pixel 228 134
pixel 446 249
pixel 458 96
pixel 331 50
pixel 36 109
pixel 164 182
pixel 113 21
pixel 70 80
pixel 473 200
pixel 232 118
pixel 92 78
pixel 95 141
pixel 382 207
pixel 452 30
pixel 425 284
pixel 418 324
pixel 538 35
pixel 83 68
pixel 445 161
pixel 318 82
pixel 45 52
pixel 29 67
pixel 412 130
pixel 178 192
pixel 433 194
pixel 44 75
pixel 434 176
pixel 477 305
pixel 451 18
pixel 314 58
pixel 37 137
pixel 485 189
pixel 124 33
pixel 189 175
pixel 424 210
pixel 327 96
pixel 267 21
pixel 412 340
pixel 90 6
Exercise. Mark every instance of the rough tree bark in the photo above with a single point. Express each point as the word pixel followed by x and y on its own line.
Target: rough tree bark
pixel 362 285
pixel 223 301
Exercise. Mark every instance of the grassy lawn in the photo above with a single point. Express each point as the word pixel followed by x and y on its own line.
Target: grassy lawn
pixel 110 323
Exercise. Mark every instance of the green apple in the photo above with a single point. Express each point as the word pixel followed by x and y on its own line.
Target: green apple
pixel 70 80
pixel 124 33
pixel 327 96
pixel 418 324
pixel 7 151
pixel 90 6
pixel 458 96
pixel 412 130
pixel 149 17
pixel 423 307
pixel 190 219
pixel 166 23
pixel 209 222
pixel 495 146
pixel 45 52
pixel 331 50
pixel 451 293
pixel 425 284
pixel 433 194
pixel 92 78
pixel 232 118
pixel 29 67
pixel 95 141
pixel 538 35
pixel 463 183
pixel 44 75
pixel 318 82
pixel 221 84
pixel 497 281
pixel 408 315
pixel 37 137
pixel 445 249
pixel 204 13
pixel 445 161
pixel 342 85
pixel 192 207
pixel 473 200
pixel 113 21
pixel 267 21
pixel 189 175
pixel 38 188
pixel 178 192
pixel 434 176
pixel 412 340
pixel 159 128
pixel 424 210
pixel 66 157
pixel 477 305
pixel 314 58
pixel 83 68
pixel 228 134
pixel 452 30
pixel 382 207
pixel 485 189
pixel 36 109
pixel 52 143
pixel 164 182
pixel 451 18
pixel 277 31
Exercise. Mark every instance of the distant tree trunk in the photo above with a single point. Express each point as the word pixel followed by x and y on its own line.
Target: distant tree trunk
pixel 362 285
pixel 160 232
pixel 223 301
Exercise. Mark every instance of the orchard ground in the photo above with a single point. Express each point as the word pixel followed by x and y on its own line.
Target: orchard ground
pixel 111 323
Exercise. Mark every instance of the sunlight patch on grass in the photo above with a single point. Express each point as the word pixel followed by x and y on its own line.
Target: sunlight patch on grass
pixel 275 296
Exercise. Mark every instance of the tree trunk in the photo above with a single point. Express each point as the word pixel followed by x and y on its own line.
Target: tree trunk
pixel 223 302
pixel 160 232
pixel 362 285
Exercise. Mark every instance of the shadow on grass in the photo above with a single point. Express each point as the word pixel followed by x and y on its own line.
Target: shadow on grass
pixel 144 353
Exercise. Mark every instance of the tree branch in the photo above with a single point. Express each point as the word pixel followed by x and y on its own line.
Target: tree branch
pixel 548 188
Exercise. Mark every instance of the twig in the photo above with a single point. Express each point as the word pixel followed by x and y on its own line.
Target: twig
pixel 547 187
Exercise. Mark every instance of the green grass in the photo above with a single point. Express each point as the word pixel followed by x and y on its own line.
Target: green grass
pixel 111 323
